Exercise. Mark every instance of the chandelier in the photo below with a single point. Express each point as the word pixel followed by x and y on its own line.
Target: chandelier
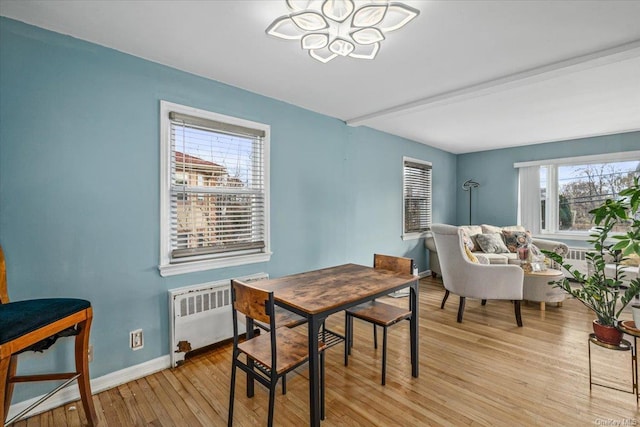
pixel 331 28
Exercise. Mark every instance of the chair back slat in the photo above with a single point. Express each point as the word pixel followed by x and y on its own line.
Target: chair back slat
pixel 393 263
pixel 4 294
pixel 251 302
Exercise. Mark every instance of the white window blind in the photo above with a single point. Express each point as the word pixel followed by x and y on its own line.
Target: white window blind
pixel 217 188
pixel 416 197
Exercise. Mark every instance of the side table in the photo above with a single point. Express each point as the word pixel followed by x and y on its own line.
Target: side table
pixel 536 287
pixel 623 346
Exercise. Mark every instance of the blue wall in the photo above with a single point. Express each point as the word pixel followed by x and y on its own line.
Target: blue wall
pixel 79 187
pixel 496 200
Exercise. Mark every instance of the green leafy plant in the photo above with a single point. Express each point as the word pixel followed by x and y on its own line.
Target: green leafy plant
pixel 607 296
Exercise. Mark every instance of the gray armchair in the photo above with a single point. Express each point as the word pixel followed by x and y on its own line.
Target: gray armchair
pixel 474 280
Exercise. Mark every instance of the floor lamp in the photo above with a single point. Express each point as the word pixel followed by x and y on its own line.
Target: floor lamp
pixel 467 186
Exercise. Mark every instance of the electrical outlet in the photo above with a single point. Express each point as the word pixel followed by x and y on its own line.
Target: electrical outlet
pixel 90 353
pixel 136 340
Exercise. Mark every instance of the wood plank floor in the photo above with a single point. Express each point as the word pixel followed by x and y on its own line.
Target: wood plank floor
pixel 485 371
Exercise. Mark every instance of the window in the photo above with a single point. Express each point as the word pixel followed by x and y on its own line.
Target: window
pixel 557 195
pixel 214 190
pixel 416 198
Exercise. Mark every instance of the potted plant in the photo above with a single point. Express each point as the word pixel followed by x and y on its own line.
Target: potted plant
pixel 607 296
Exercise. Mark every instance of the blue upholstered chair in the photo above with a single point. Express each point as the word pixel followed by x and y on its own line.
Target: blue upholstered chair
pixel 35 325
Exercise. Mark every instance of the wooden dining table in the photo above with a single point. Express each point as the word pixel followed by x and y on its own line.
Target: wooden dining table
pixel 317 294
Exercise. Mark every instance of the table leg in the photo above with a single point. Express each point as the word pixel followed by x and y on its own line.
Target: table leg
pixel 413 301
pixel 314 371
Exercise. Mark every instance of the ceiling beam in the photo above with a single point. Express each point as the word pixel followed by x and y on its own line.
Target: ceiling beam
pixel 524 78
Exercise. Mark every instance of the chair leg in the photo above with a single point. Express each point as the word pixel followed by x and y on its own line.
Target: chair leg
pixel 484 302
pixel 461 309
pixel 446 295
pixel 516 305
pixel 322 385
pixel 8 367
pixel 6 390
pixel 384 355
pixel 232 391
pixel 284 384
pixel 82 367
pixel 272 401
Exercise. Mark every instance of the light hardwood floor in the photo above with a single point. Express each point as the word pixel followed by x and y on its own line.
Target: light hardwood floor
pixel 485 371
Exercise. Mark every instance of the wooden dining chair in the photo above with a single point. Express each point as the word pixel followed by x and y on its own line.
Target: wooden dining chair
pixel 378 313
pixel 35 325
pixel 284 319
pixel 268 356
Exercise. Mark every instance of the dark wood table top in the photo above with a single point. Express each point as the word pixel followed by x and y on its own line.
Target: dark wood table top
pixel 334 287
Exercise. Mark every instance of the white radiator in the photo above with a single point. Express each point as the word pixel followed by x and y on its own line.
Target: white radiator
pixel 200 315
pixel 577 258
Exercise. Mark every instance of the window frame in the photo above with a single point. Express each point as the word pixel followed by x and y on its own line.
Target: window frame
pixel 166 267
pixel 416 235
pixel 552 191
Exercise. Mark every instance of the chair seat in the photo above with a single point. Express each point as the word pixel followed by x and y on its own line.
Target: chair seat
pixel 292 349
pixel 379 313
pixel 22 317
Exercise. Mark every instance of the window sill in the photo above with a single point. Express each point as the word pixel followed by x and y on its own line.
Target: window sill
pixel 563 236
pixel 210 264
pixel 414 236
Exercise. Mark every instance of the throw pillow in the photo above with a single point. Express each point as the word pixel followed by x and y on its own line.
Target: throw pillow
pixel 491 243
pixel 470 256
pixel 631 260
pixel 469 241
pixel 516 239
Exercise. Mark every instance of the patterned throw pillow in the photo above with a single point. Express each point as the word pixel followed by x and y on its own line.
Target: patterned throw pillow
pixel 516 239
pixel 469 241
pixel 491 243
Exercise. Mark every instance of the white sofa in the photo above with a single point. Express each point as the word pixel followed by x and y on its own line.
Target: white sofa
pixel 493 258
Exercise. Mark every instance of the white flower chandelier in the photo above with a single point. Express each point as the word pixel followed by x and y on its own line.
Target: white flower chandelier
pixel 331 28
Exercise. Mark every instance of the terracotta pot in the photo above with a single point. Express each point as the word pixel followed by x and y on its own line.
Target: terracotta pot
pixel 607 334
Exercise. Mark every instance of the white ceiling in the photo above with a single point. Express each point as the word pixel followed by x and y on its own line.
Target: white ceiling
pixel 463 76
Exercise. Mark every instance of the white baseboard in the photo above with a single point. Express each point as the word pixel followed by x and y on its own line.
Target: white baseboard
pixel 71 393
